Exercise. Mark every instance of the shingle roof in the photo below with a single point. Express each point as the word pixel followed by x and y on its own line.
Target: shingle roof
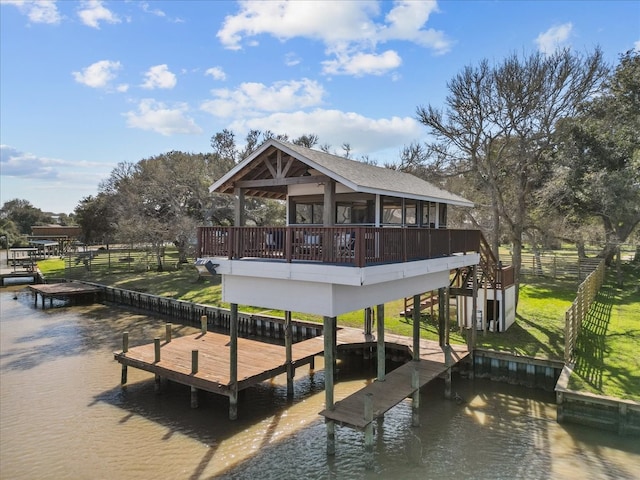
pixel 358 176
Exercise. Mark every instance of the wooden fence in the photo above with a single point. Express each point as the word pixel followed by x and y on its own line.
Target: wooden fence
pixel 558 266
pixel 587 292
pixel 218 319
pixel 116 260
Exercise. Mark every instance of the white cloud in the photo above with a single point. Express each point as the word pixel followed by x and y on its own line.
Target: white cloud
pixel 157 117
pixel 159 76
pixel 92 12
pixel 554 38
pixel 217 73
pixel 349 30
pixel 153 11
pixel 291 59
pixel 15 163
pixel 251 98
pixel 363 63
pixel 99 74
pixel 38 11
pixel 334 127
pixel 636 46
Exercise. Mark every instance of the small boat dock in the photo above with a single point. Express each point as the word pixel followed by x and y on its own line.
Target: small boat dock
pixel 72 291
pixel 258 361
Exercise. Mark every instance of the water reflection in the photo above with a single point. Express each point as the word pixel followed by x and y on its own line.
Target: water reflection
pixel 64 415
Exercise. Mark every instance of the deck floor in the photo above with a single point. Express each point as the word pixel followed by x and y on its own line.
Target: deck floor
pixel 64 289
pixel 259 361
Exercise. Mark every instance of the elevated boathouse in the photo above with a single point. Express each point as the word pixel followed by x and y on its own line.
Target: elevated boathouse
pixel 355 237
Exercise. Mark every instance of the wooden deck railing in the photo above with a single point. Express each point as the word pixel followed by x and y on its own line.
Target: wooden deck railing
pixel 344 245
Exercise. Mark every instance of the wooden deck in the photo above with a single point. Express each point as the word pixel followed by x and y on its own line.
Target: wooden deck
pixel 259 361
pixel 397 384
pixel 387 394
pixel 69 290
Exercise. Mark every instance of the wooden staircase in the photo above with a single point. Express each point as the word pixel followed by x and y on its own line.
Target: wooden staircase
pixel 489 273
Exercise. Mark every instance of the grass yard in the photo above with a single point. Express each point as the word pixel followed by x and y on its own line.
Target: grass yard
pixel 608 357
pixel 539 327
pixel 608 362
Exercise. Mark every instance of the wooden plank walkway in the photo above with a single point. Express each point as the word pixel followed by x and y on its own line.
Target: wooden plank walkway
pixel 70 290
pixel 259 361
pixel 397 384
pixel 386 395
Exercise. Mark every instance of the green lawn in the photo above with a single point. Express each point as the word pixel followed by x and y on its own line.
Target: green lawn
pixel 608 350
pixel 608 360
pixel 539 327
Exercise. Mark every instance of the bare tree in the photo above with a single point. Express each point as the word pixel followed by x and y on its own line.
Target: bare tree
pixel 497 126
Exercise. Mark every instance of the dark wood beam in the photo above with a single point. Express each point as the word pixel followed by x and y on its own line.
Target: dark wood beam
pixel 276 182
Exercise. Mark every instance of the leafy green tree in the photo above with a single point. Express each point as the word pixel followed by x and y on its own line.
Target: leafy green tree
pixel 97 218
pixel 597 172
pixel 9 233
pixel 24 215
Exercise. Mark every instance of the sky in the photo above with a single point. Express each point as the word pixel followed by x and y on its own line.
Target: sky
pixel 87 85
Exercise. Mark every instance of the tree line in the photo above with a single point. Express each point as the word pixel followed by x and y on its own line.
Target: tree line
pixel 548 146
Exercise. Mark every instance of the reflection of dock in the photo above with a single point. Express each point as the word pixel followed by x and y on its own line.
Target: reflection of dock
pixel 72 291
pixel 258 361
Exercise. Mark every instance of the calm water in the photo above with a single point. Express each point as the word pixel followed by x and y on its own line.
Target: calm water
pixel 64 415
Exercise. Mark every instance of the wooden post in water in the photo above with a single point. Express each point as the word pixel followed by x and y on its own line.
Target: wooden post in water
pixel 233 363
pixel 368 330
pixel 329 327
pixel 156 348
pixel 368 430
pixel 203 324
pixel 125 349
pixel 441 316
pixel 288 345
pixel 380 346
pixel 416 328
pixel 447 317
pixel 474 316
pixel 194 370
pixel 167 333
pixel 415 404
pixel 447 373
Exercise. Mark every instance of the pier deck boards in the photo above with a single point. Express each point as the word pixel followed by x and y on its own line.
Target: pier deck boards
pixel 387 394
pixel 396 385
pixel 70 290
pixel 259 361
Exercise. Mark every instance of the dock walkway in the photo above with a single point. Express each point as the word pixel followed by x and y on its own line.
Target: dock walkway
pixel 259 361
pixel 397 384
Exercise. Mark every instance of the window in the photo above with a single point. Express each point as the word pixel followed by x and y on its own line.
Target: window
pixel 343 213
pixel 410 212
pixel 392 210
pixel 310 213
pixel 443 215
